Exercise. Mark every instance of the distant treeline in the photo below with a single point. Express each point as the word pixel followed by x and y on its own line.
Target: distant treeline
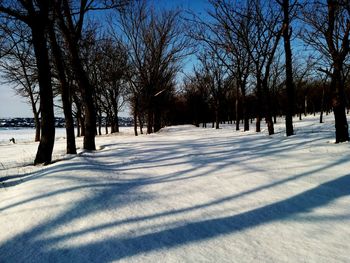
pixel 59 122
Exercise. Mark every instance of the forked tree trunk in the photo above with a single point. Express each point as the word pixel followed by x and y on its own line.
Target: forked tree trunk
pixel 44 153
pixel 65 93
pixel 71 38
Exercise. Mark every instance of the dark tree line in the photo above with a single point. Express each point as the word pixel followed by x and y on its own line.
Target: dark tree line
pixel 246 64
pixel 56 29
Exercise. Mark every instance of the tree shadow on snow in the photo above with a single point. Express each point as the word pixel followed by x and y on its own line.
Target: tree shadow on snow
pixel 22 246
pixel 119 192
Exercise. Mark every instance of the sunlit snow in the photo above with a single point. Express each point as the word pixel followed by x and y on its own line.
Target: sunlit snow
pixel 184 194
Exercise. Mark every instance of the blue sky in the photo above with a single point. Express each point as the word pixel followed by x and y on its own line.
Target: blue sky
pixel 196 5
pixel 12 105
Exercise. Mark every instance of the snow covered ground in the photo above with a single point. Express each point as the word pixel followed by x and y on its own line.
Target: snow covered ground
pixel 185 194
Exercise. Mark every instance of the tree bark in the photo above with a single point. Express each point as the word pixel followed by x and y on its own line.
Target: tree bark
pixel 322 105
pixel 99 124
pixel 44 153
pixel 150 121
pixel 157 120
pixel 290 89
pixel 72 40
pixel 338 103
pixel 267 106
pixel 65 92
pixel 217 115
pixel 37 126
pixel 237 113
pixel 135 120
pixel 258 105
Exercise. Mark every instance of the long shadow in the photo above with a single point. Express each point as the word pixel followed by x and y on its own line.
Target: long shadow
pixel 207 229
pixel 168 151
pixel 184 174
pixel 118 248
pixel 118 193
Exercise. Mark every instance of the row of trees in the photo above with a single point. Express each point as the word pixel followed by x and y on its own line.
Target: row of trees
pixel 244 38
pixel 55 32
pixel 97 55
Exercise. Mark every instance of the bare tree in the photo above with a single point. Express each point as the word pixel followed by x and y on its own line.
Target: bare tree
pixel 224 36
pixel 64 88
pixel 215 75
pixel 35 14
pixel 288 10
pixel 108 70
pixel 19 68
pixel 157 44
pixel 71 27
pixel 261 39
pixel 327 31
pixel 196 91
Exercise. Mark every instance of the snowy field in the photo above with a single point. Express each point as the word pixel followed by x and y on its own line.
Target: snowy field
pixel 185 194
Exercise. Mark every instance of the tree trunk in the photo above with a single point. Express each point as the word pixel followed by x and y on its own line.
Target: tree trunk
pixel 115 111
pixel 257 124
pixel 37 126
pixel 82 126
pixel 305 105
pixel 217 118
pixel 157 120
pixel 78 126
pixel 84 85
pixel 269 123
pixel 258 105
pixel 338 103
pixel 44 153
pixel 135 122
pixel 90 114
pixel 290 89
pixel 150 121
pixel 65 92
pixel 245 114
pixel 267 107
pixel 322 105
pixel 140 122
pixel 106 125
pixel 100 124
pixel 116 122
pixel 237 113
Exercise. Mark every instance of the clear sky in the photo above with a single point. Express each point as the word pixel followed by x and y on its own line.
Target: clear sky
pixel 12 105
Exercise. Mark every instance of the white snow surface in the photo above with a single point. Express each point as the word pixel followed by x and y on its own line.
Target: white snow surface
pixel 185 194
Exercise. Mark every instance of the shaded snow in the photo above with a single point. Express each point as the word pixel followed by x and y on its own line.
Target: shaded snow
pixel 185 194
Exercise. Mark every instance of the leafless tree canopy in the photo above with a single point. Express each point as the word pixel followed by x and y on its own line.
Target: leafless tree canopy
pixel 238 61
